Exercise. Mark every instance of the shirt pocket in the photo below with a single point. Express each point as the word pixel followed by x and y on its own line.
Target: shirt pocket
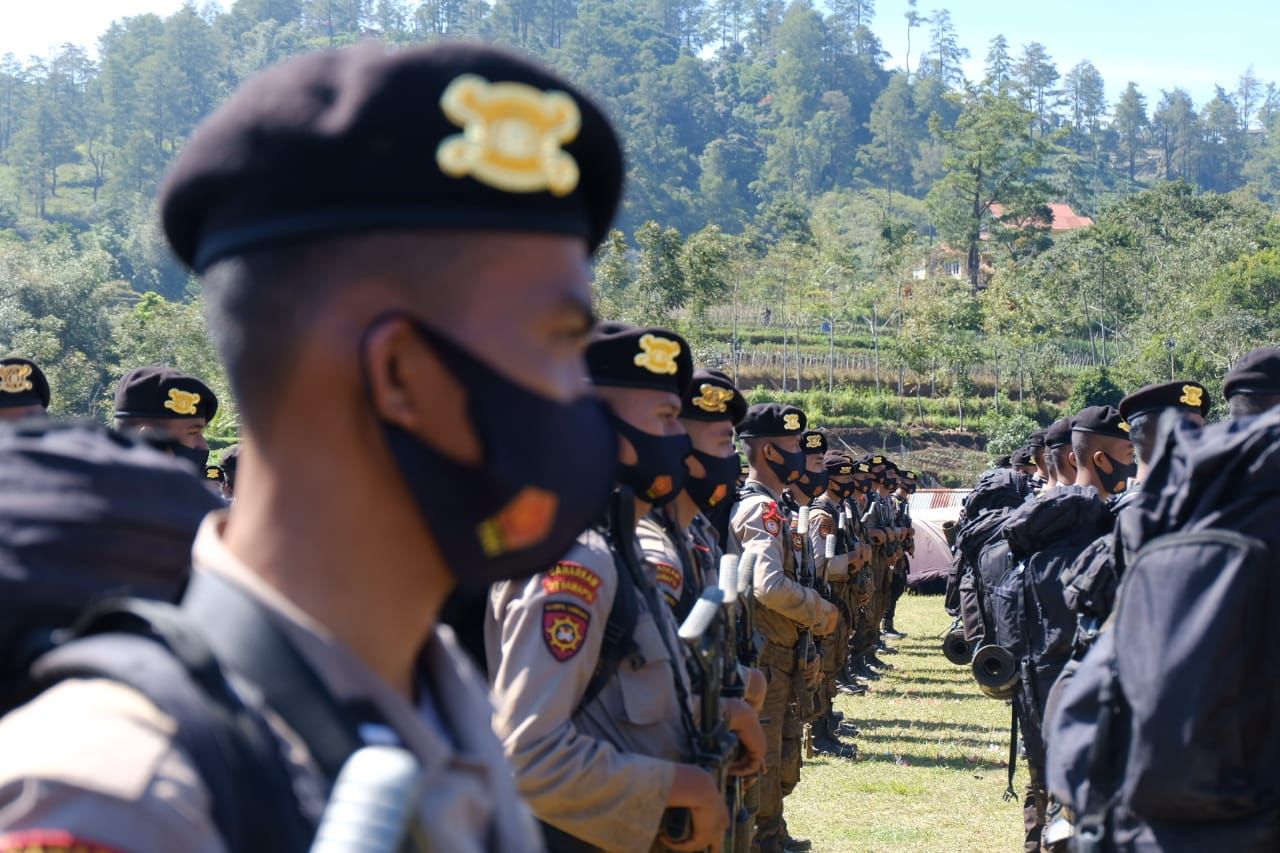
pixel 648 692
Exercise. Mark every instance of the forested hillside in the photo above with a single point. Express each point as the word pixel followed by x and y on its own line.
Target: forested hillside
pixel 810 217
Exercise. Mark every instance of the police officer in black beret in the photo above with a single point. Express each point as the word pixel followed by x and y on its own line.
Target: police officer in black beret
pixel 1252 386
pixel 167 407
pixel 1057 453
pixel 1102 450
pixel 24 391
pixel 401 240
pixel 1142 409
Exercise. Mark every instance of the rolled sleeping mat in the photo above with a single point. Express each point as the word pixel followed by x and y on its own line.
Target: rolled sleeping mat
pixel 996 671
pixel 957 649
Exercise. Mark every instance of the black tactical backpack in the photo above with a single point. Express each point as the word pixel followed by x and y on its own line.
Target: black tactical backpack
pixel 1168 735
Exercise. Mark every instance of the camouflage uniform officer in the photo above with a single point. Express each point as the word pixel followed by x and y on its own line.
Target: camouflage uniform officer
pixel 323 207
pixel 24 390
pixel 678 539
pixel 784 608
pixel 597 727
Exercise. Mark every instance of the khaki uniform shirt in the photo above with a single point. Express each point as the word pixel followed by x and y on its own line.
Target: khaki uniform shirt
pixel 823 517
pixel 97 759
pixel 786 607
pixel 601 773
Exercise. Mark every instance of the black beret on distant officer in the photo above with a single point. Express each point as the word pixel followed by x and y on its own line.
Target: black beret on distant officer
pixel 1037 439
pixel 838 464
pixel 813 442
pixel 447 135
pixel 1058 434
pixel 712 396
pixel 159 392
pixel 1257 373
pixel 626 356
pixel 22 383
pixel 772 420
pixel 1154 399
pixel 1101 420
pixel 1023 457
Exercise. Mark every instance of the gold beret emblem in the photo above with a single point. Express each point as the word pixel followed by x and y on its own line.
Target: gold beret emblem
pixel 658 355
pixel 846 469
pixel 877 460
pixel 1192 395
pixel 213 472
pixel 813 442
pixel 1124 426
pixel 182 402
pixel 511 136
pixel 14 378
pixel 791 421
pixel 864 468
pixel 713 399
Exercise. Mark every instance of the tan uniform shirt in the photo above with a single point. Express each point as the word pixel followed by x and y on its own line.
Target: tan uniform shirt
pixel 97 759
pixel 663 556
pixel 601 773
pixel 786 606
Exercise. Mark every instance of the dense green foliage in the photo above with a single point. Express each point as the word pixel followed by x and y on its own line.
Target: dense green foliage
pixel 806 215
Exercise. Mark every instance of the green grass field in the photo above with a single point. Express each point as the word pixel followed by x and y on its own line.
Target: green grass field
pixel 932 764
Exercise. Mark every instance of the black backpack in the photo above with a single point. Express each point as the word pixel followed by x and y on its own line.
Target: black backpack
pixel 95 541
pixel 1168 735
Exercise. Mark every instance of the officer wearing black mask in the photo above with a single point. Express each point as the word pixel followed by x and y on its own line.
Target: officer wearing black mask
pixel 169 409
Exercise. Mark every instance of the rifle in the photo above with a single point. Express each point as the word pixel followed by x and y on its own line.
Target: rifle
pixel 705 631
pixel 805 644
pixel 733 687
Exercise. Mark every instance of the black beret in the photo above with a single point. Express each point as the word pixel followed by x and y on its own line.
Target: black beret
pixel 712 396
pixel 1101 420
pixel 230 459
pixel 1004 462
pixel 1036 439
pixel 772 420
pixel 214 473
pixel 162 392
pixel 1152 399
pixel 1058 434
pixel 813 442
pixel 838 464
pixel 22 383
pixel 1257 373
pixel 1022 456
pixel 445 135
pixel 619 354
pixel 909 476
pixel 875 460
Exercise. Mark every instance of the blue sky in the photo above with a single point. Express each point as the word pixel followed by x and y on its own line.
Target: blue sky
pixel 1158 44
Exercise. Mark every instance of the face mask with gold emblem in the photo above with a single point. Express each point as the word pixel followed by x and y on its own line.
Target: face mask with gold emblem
pixel 659 473
pixel 544 479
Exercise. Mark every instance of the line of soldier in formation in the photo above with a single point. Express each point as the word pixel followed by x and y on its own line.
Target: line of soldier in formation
pixel 394 252
pixel 1111 581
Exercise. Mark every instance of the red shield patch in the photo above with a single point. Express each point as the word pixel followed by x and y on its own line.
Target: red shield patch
pixel 564 629
pixel 772 520
pixel 797 542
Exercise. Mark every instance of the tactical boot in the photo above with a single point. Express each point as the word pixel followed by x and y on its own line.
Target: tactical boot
pixel 834 717
pixel 885 648
pixel 851 688
pixel 874 661
pixel 890 631
pixel 863 670
pixel 797 845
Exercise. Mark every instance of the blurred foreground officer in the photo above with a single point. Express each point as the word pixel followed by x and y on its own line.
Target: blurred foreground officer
pixel 162 405
pixel 593 697
pixel 324 206
pixel 1252 386
pixel 24 392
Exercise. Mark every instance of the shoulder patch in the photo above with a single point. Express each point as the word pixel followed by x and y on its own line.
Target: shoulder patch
pixel 669 575
pixel 564 629
pixel 772 519
pixel 797 542
pixel 49 841
pixel 825 527
pixel 572 579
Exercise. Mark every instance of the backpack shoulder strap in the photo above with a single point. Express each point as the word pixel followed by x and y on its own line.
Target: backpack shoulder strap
pixel 619 628
pixel 145 646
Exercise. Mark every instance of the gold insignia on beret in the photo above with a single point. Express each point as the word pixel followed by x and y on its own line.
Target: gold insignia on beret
pixel 846 469
pixel 864 468
pixel 511 136
pixel 791 421
pixel 713 399
pixel 1124 426
pixel 813 442
pixel 877 460
pixel 14 378
pixel 213 472
pixel 658 355
pixel 1192 395
pixel 182 402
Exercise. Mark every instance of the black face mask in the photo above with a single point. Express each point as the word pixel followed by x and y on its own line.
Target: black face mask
pixel 1118 480
pixel 845 490
pixel 659 473
pixel 790 468
pixel 712 490
pixel 199 458
pixel 813 483
pixel 545 478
